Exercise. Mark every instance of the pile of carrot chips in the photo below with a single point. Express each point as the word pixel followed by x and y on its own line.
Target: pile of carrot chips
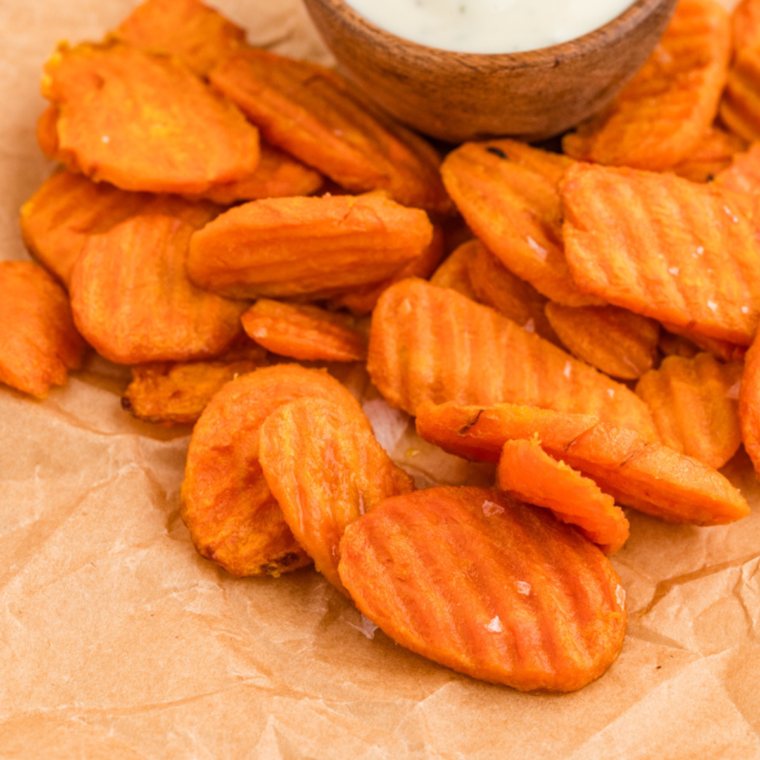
pixel 240 228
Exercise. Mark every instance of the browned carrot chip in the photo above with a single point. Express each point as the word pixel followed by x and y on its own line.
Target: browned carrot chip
pixel 745 22
pixel 528 473
pixel 187 29
pixel 123 117
pixel 749 404
pixel 454 272
pixel 132 300
pixel 227 506
pixel 433 344
pixel 310 112
pixel 614 340
pixel 646 476
pixel 691 343
pixel 284 247
pixel 38 340
pixel 326 470
pixel 509 194
pixel 740 106
pixel 743 175
pixel 665 248
pixel 712 155
pixel 304 332
pixel 487 586
pixel 663 113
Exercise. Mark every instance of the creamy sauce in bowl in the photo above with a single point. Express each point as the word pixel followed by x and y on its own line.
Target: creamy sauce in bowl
pixel 489 26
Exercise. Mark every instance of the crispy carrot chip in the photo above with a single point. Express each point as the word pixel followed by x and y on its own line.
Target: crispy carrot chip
pixel 665 248
pixel 487 586
pixel 187 29
pixel 663 113
pixel 227 506
pixel 614 340
pixel 712 155
pixel 326 470
pixel 508 193
pixel 311 112
pixel 749 404
pixel 695 405
pixel 745 22
pixel 692 343
pixel 529 474
pixel 433 344
pixel 285 247
pixel 646 476
pixel 38 340
pixel 132 300
pixel 743 175
pixel 454 272
pixel 304 332
pixel 740 106
pixel 123 117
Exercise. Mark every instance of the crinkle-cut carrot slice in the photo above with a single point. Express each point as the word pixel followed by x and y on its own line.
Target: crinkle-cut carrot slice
pixel 226 503
pixel 617 341
pixel 712 155
pixel 145 122
pixel 326 470
pixel 661 115
pixel 312 113
pixel 745 22
pixel 282 247
pixel 528 473
pixel 508 193
pixel 68 208
pixel 454 272
pixel 695 405
pixel 740 105
pixel 47 132
pixel 132 300
pixel 186 29
pixel 487 586
pixel 304 332
pixel 433 344
pixel 749 404
pixel 692 343
pixel 743 175
pixel 647 476
pixel 666 248
pixel 38 340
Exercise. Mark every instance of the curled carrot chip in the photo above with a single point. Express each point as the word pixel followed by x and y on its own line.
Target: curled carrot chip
pixel 509 194
pixel 303 332
pixel 661 115
pixel 123 117
pixel 284 247
pixel 537 607
pixel 712 155
pixel 743 175
pixel 433 344
pixel 529 474
pixel 745 22
pixel 310 112
pixel 614 340
pixel 187 29
pixel 38 340
pixel 749 404
pixel 454 272
pixel 739 108
pixel 227 506
pixel 326 470
pixel 665 248
pixel 647 476
pixel 132 300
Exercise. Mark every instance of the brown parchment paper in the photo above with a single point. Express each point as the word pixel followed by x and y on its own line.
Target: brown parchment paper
pixel 117 641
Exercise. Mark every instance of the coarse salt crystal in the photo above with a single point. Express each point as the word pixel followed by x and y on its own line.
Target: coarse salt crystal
pixel 733 391
pixel 495 625
pixel 745 309
pixel 712 305
pixel 366 627
pixel 611 392
pixel 490 509
pixel 620 596
pixel 523 588
pixel 700 250
pixel 405 307
pixel 106 139
pixel 673 270
pixel 568 369
pixel 530 326
pixel 540 250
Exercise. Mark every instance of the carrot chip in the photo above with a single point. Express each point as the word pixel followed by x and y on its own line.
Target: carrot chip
pixel 454 272
pixel 749 404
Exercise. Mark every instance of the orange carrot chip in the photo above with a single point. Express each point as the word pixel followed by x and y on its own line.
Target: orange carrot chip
pixel 454 272
pixel 486 586
pixel 712 155
pixel 662 114
pixel 326 470
pixel 38 340
pixel 227 506
pixel 47 132
pixel 692 343
pixel 743 175
pixel 745 22
pixel 740 106
pixel 749 404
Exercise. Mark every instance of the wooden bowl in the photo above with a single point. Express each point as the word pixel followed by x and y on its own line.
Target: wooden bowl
pixel 463 96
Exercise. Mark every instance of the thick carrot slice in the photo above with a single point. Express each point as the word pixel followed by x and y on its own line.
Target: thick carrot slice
pixel 433 344
pixel 486 586
pixel 646 476
pixel 326 470
pixel 749 404
pixel 712 155
pixel 662 114
pixel 665 248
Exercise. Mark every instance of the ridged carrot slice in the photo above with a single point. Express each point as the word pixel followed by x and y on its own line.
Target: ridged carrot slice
pixel 695 405
pixel 710 156
pixel 227 506
pixel 647 476
pixel 740 106
pixel 745 22
pixel 665 248
pixel 661 115
pixel 487 586
pixel 531 475
pixel 326 470
pixel 617 341
pixel 749 404
pixel 454 272
pixel 311 112
pixel 38 340
pixel 433 344
pixel 508 193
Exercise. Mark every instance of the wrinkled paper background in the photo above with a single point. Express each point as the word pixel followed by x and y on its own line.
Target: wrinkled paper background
pixel 117 641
